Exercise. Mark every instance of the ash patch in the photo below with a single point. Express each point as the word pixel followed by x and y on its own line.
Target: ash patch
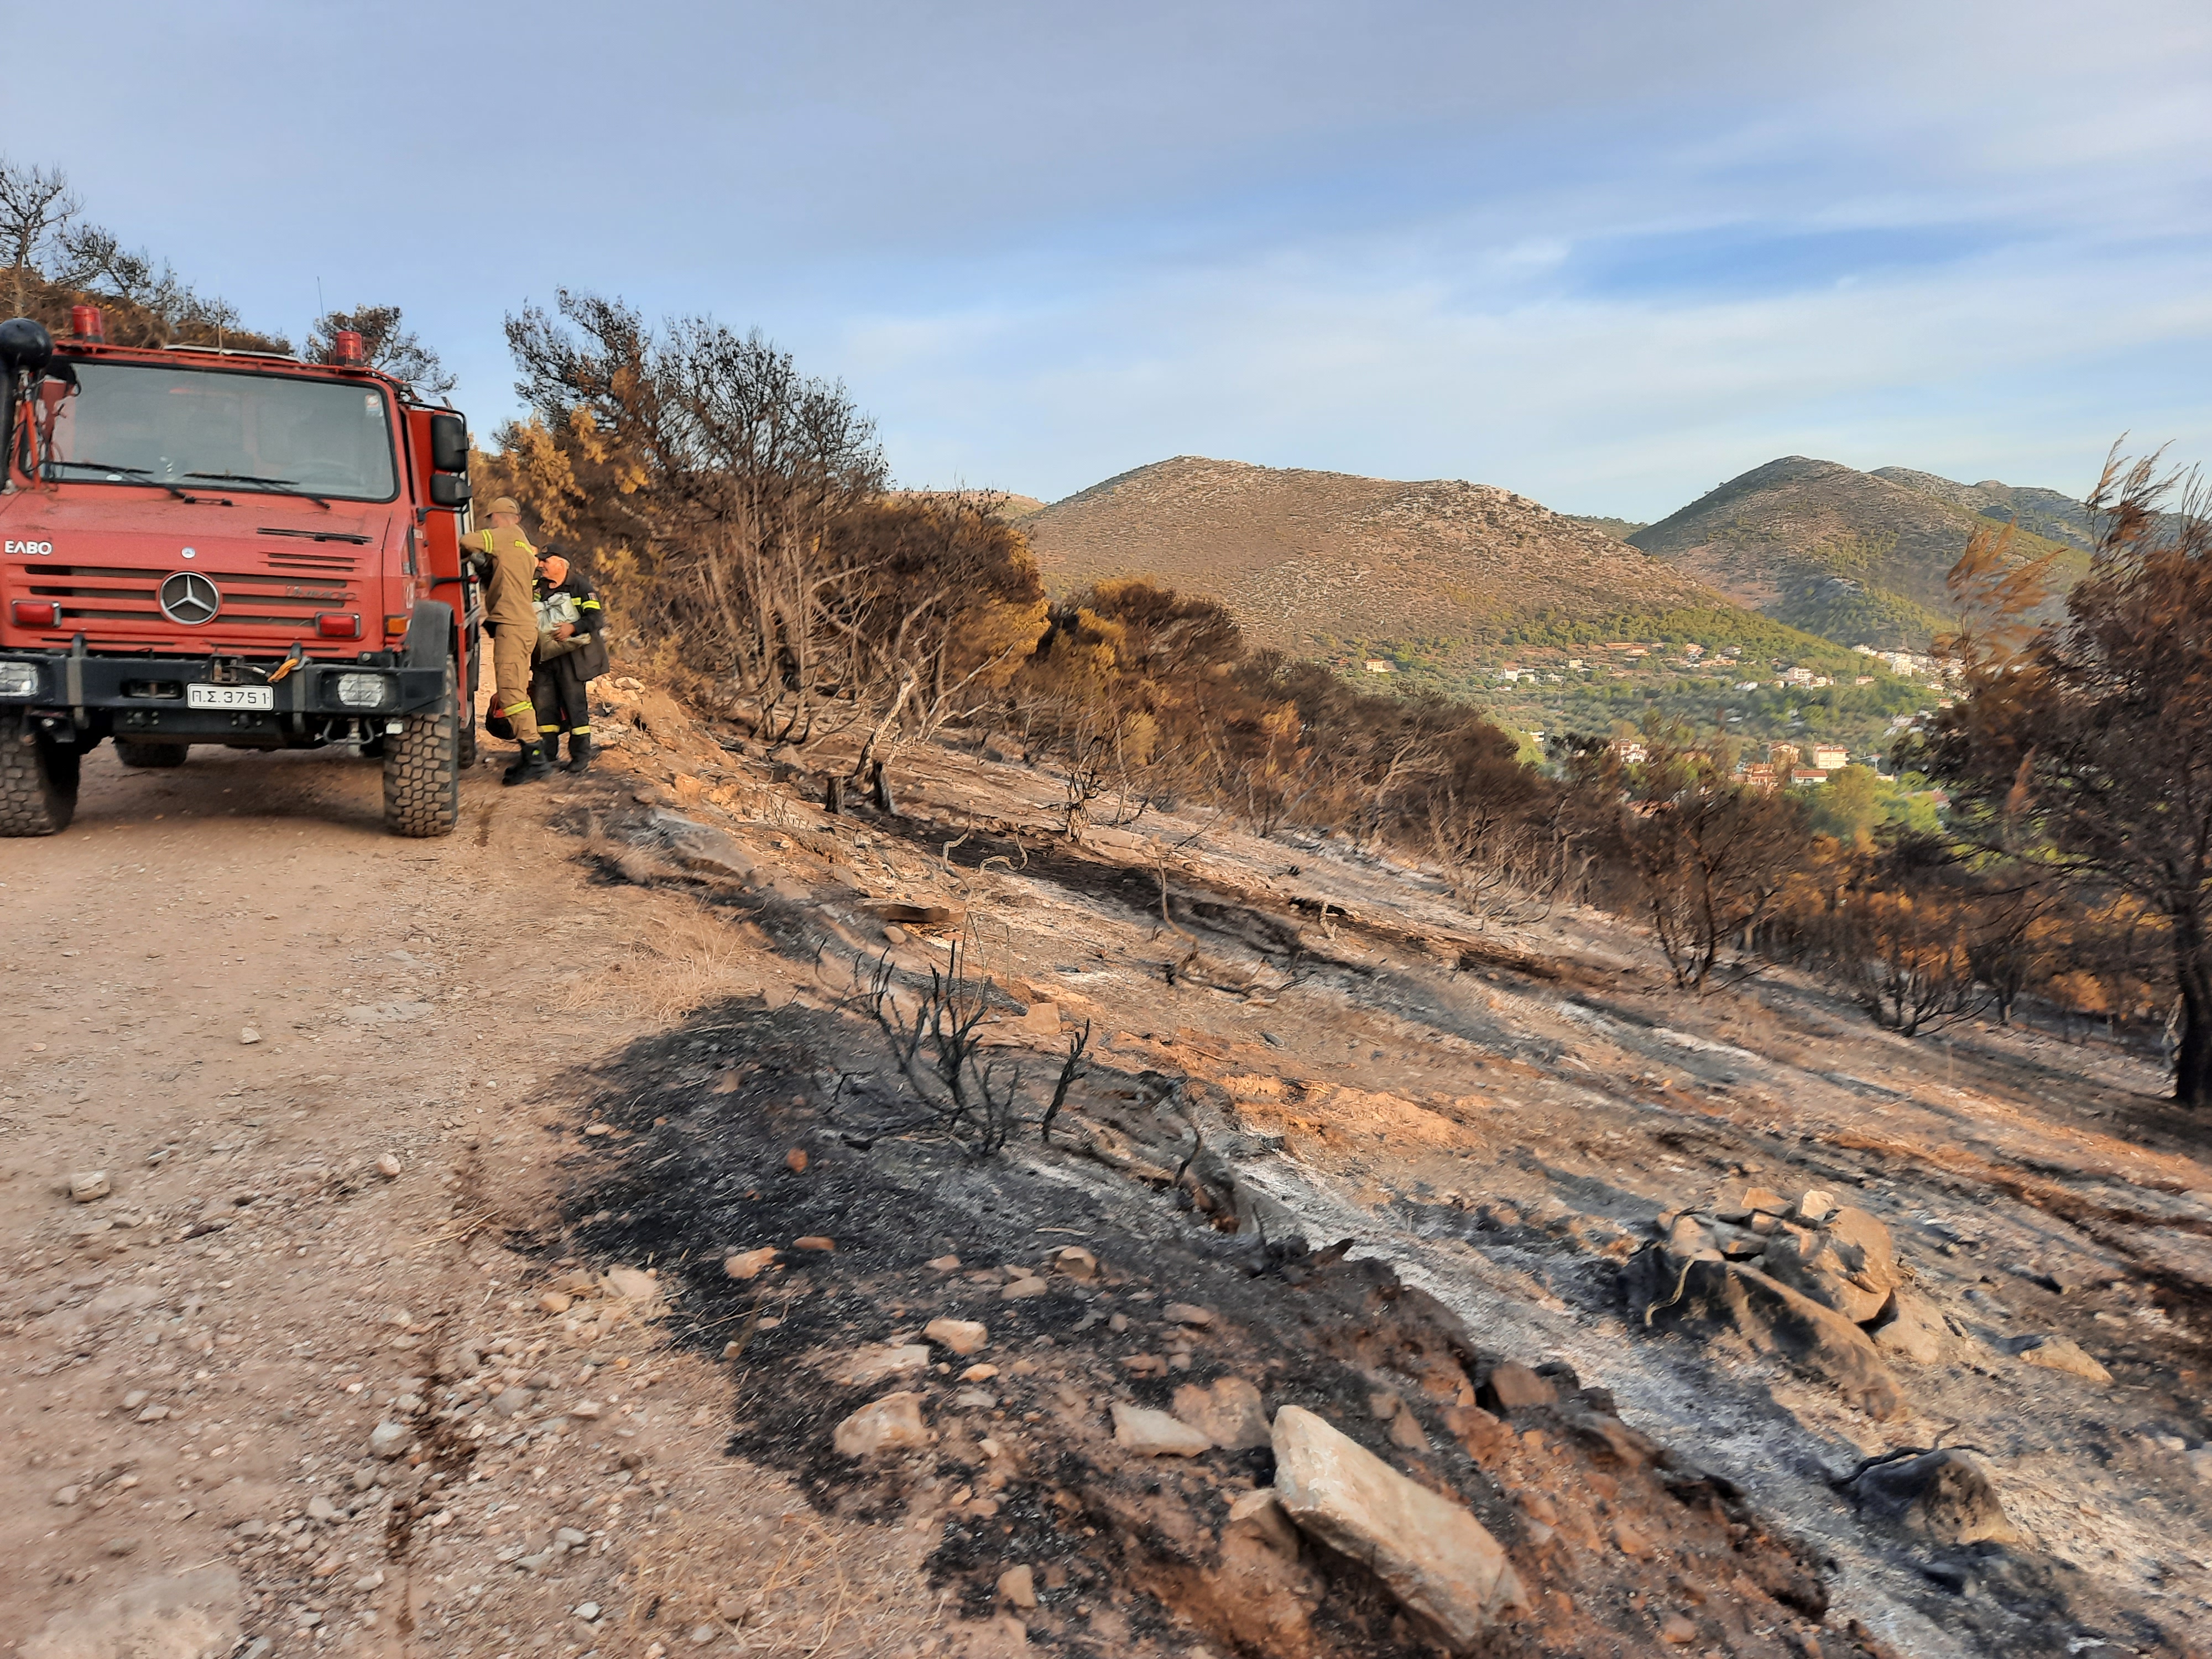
pixel 1129 1554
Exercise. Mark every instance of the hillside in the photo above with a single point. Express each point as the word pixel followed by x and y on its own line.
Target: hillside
pixel 1552 623
pixel 674 1307
pixel 1320 563
pixel 1857 557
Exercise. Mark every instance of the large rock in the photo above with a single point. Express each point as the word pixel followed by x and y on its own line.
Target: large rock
pixel 192 1615
pixel 1912 1328
pixel 1946 1496
pixel 889 1423
pixel 1230 1413
pixel 1769 1316
pixel 1435 1557
pixel 1846 1264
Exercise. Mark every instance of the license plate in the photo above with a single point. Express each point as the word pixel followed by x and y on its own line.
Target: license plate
pixel 229 696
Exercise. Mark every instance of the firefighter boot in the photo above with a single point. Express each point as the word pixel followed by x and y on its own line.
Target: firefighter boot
pixel 580 750
pixel 529 766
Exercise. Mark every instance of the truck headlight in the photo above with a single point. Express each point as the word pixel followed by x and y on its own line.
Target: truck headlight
pixel 364 691
pixel 19 679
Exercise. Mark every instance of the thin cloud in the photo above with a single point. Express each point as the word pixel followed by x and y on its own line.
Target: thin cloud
pixel 1605 254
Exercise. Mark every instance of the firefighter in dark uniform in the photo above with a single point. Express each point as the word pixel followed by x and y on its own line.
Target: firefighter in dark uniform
pixel 572 651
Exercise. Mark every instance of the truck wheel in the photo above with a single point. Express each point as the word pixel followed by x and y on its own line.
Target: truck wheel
pixel 150 754
pixel 422 770
pixel 37 782
pixel 468 747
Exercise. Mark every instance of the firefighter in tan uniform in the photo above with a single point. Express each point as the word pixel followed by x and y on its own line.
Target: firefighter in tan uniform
pixel 510 566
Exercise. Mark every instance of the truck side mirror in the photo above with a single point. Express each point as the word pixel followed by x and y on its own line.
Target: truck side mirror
pixel 449 490
pixel 449 445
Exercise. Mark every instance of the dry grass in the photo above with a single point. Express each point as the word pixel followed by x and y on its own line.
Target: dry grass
pixel 791 1585
pixel 693 956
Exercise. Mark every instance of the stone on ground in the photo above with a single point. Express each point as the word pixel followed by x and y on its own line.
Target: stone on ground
pixel 963 1336
pixel 1017 1588
pixel 1261 1514
pixel 750 1264
pixel 634 1285
pixel 1847 1264
pixel 1515 1388
pixel 889 1424
pixel 2061 1354
pixel 1946 1496
pixel 88 1186
pixel 1770 1317
pixel 1435 1557
pixel 1912 1328
pixel 1230 1413
pixel 865 1367
pixel 1155 1434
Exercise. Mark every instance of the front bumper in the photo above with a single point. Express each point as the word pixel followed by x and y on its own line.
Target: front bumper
pixel 145 697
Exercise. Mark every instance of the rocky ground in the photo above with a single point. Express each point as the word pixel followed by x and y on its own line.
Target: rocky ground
pixel 530 1243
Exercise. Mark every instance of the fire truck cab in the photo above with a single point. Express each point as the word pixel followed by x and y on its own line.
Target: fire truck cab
pixel 203 546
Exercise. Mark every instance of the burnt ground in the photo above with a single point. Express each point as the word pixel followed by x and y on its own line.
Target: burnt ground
pixel 1498 1108
pixel 1128 1550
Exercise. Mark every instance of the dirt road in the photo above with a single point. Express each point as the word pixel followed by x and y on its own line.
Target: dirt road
pixel 310 1061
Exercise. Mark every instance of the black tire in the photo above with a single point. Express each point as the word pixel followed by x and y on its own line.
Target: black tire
pixel 468 746
pixel 422 770
pixel 150 754
pixel 37 782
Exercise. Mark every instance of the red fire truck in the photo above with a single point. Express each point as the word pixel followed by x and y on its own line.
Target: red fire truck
pixel 203 546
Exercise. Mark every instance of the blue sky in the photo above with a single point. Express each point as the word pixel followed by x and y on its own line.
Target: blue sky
pixel 1606 254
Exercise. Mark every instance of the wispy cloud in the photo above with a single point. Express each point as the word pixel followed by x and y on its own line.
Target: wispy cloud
pixel 1606 254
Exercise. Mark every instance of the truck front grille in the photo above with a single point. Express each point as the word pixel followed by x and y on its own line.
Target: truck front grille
pixel 283 600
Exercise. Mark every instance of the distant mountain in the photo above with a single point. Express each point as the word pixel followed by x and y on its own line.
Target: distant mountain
pixel 1859 558
pixel 1318 563
pixel 1619 529
pixel 2044 513
pixel 1550 623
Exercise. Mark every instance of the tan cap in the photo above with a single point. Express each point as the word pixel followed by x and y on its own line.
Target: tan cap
pixel 504 504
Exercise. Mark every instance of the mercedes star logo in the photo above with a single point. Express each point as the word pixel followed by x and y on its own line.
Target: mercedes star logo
pixel 190 597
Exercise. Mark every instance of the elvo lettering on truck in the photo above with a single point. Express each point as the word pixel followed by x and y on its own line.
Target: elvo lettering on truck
pixel 206 546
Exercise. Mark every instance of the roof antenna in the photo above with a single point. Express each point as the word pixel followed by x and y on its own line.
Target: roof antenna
pixel 321 311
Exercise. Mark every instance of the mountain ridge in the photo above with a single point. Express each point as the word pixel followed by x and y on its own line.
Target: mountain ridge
pixel 1313 562
pixel 1859 558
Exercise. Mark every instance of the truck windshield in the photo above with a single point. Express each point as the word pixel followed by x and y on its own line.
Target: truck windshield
pixel 224 429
